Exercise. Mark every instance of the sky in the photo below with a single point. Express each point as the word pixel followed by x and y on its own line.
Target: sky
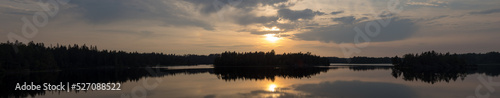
pixel 342 28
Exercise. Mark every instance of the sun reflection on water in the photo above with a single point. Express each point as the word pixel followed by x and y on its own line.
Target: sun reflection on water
pixel 272 87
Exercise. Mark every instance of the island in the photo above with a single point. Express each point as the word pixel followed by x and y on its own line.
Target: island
pixel 231 59
pixel 431 60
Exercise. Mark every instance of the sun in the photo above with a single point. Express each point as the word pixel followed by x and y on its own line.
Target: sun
pixel 272 87
pixel 272 38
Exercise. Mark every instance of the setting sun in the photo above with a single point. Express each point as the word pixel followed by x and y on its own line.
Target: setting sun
pixel 272 87
pixel 272 38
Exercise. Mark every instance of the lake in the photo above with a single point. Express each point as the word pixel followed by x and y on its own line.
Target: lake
pixel 205 81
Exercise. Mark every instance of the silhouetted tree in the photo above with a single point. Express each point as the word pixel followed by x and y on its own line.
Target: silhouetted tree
pixel 360 60
pixel 36 56
pixel 270 59
pixel 431 61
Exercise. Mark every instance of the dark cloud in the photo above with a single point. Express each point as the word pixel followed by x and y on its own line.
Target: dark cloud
pixel 337 12
pixel 251 19
pixel 209 96
pixel 290 26
pixel 490 11
pixel 397 29
pixel 212 6
pixel 131 32
pixel 385 14
pixel 258 32
pixel 357 89
pixel 345 20
pixel 228 46
pixel 22 12
pixel 99 11
pixel 472 4
pixel 108 11
pixel 348 19
pixel 427 3
pixel 433 18
pixel 294 15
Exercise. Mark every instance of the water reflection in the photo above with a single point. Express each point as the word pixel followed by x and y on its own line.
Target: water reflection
pixel 272 87
pixel 367 68
pixel 272 78
pixel 9 81
pixel 356 89
pixel 338 89
pixel 431 76
pixel 265 73
pixel 135 74
pixel 447 75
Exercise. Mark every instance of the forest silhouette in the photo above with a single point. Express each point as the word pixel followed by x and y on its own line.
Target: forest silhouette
pixel 270 59
pixel 431 60
pixel 432 67
pixel 32 56
pixel 17 56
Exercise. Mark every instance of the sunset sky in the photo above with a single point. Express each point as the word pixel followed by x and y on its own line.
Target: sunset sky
pixel 323 27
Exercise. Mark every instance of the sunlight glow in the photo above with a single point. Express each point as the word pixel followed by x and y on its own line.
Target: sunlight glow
pixel 272 87
pixel 271 29
pixel 272 38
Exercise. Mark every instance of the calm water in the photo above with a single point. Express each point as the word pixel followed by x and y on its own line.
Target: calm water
pixel 337 81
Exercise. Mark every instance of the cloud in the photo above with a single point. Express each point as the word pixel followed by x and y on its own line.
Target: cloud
pixel 212 6
pixel 433 18
pixel 337 12
pixel 345 20
pixel 144 33
pixel 209 96
pixel 465 5
pixel 348 19
pixel 438 17
pixel 258 32
pixel 109 11
pixel 285 28
pixel 247 19
pixel 229 46
pixel 432 3
pixel 357 89
pixel 490 11
pixel 295 15
pixel 245 7
pixel 397 29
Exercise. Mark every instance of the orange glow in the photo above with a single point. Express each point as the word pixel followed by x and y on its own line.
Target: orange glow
pixel 272 87
pixel 271 29
pixel 272 38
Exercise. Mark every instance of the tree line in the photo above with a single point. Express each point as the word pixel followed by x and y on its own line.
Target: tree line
pixel 269 59
pixel 37 56
pixel 470 58
pixel 431 60
pixel 360 60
